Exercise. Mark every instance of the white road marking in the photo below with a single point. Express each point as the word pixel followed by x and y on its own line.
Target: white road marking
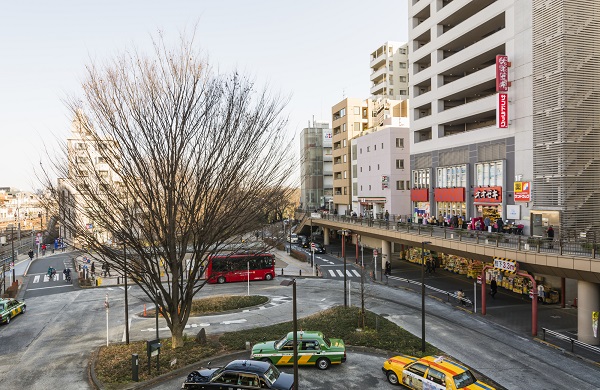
pixel 332 273
pixel 233 322
pixel 339 273
pixel 36 279
pixel 123 288
pixel 125 331
pixel 356 272
pixel 46 278
pixel 44 288
pixel 349 273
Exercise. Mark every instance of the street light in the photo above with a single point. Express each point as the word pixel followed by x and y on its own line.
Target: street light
pixel 344 233
pixel 423 294
pixel 292 282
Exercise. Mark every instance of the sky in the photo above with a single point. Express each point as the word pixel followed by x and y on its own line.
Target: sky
pixel 314 51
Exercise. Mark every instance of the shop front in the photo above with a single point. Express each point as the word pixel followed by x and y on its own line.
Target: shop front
pixel 542 219
pixel 488 202
pixel 421 205
pixel 372 207
pixel 450 202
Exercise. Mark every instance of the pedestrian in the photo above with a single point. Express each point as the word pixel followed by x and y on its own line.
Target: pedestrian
pixel 428 266
pixel 43 249
pixel 387 216
pixel 107 269
pixel 494 288
pixel 460 295
pixel 433 265
pixel 388 268
pixel 550 236
pixel 93 269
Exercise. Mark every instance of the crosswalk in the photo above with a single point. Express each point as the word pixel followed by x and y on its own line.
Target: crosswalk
pixel 45 278
pixel 335 273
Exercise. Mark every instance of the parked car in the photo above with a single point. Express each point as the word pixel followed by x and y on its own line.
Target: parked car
pixel 313 349
pixel 9 308
pixel 431 372
pixel 240 374
pixel 293 238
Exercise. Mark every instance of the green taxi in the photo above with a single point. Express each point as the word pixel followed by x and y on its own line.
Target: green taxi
pixel 10 308
pixel 313 349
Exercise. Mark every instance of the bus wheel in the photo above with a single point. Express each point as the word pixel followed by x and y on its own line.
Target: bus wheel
pixel 221 280
pixel 268 277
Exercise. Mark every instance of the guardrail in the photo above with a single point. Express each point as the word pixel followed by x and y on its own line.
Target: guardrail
pixel 465 301
pixel 574 342
pixel 519 242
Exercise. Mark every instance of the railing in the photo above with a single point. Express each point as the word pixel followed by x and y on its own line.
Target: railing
pixel 560 246
pixel 447 294
pixel 570 340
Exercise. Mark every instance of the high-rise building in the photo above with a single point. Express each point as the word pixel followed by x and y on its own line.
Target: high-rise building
pixel 349 118
pixel 389 71
pixel 505 111
pixel 316 167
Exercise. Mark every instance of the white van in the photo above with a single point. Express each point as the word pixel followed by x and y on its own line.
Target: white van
pixel 293 238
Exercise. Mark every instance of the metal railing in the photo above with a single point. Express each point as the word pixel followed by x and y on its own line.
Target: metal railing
pixel 560 246
pixel 572 341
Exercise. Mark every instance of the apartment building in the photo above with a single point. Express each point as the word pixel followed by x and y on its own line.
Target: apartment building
pixel 87 171
pixel 504 111
pixel 389 71
pixel 349 118
pixel 316 167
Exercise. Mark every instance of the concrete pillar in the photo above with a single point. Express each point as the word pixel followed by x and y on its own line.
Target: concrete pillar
pixel 386 253
pixel 588 301
pixel 325 236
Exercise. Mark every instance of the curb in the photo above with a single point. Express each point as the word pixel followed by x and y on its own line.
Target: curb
pixel 97 385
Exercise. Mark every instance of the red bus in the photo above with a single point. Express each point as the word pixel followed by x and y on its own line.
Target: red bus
pixel 234 267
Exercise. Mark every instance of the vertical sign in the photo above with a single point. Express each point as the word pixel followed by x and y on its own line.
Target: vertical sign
pixel 501 73
pixel 502 111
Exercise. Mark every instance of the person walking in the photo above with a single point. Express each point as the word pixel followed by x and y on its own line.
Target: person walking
pixel 493 288
pixel 550 236
pixel 388 268
pixel 460 295
pixel 93 269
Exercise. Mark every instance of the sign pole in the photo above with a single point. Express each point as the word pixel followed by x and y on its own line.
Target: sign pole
pixel 106 306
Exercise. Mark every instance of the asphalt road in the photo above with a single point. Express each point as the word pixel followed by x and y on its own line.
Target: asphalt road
pixel 39 284
pixel 50 345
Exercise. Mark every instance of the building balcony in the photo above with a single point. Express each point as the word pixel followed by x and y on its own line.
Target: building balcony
pixel 378 89
pixel 378 75
pixel 378 61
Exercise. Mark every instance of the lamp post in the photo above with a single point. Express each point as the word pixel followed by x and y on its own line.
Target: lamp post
pixel 126 298
pixel 156 307
pixel 423 294
pixel 344 233
pixel 292 282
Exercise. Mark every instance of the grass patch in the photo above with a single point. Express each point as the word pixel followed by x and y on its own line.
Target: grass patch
pixel 223 303
pixel 113 366
pixel 339 322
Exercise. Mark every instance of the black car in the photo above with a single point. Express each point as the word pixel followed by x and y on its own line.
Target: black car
pixel 319 248
pixel 243 374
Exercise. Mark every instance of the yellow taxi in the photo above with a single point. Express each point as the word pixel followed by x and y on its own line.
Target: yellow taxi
pixel 430 372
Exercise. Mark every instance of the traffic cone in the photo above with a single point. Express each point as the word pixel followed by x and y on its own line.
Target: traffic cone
pixel 574 304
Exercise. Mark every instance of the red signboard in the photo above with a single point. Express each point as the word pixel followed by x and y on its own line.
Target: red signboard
pixel 419 194
pixel 449 194
pixel 502 73
pixel 487 195
pixel 502 111
pixel 522 191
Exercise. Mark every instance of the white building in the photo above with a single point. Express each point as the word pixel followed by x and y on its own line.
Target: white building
pixel 383 174
pixel 389 71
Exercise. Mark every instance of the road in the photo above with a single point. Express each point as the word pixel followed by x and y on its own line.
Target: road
pixel 59 332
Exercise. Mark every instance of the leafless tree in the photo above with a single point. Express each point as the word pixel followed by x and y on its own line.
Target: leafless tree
pixel 170 161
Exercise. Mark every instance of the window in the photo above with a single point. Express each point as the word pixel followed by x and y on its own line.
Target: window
pixel 368 149
pixel 402 51
pixel 420 178
pixel 345 157
pixel 369 187
pixel 369 168
pixel 345 190
pixel 436 376
pixel 356 110
pixel 402 65
pixel 489 173
pixel 343 143
pixel 418 369
pixel 391 92
pixel 402 79
pixel 342 112
pixel 343 127
pixel 399 163
pixel 382 145
pixel 448 177
pixel 360 150
pixel 374 147
pixel 361 169
pixel 399 142
pixel 403 92
pixel 407 184
pixel 357 126
pixel 377 166
pixel 345 174
pixel 361 188
pixel 391 81
pixel 391 66
pixel 400 185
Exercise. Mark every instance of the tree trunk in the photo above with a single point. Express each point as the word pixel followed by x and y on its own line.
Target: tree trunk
pixel 177 335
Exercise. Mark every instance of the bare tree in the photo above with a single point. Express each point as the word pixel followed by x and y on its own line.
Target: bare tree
pixel 171 160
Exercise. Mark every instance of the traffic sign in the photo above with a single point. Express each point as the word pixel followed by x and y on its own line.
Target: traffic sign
pixel 374 252
pixel 312 246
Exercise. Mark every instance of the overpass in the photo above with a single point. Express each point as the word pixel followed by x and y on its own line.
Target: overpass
pixel 566 259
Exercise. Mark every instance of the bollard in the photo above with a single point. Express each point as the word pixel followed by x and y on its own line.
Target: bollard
pixel 300 272
pixel 135 367
pixel 282 272
pixel 118 280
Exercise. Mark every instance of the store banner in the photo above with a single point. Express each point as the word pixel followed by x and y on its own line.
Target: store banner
pixel 502 66
pixel 502 111
pixel 449 194
pixel 487 194
pixel 522 191
pixel 419 194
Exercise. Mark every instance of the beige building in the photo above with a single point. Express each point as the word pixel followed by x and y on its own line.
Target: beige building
pixel 389 71
pixel 349 118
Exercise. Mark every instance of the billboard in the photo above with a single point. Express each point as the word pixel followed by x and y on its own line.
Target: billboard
pixel 502 65
pixel 522 191
pixel 502 111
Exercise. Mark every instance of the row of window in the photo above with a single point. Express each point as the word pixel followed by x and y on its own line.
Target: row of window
pixel 401 185
pixel 486 174
pixel 399 144
pixel 399 165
